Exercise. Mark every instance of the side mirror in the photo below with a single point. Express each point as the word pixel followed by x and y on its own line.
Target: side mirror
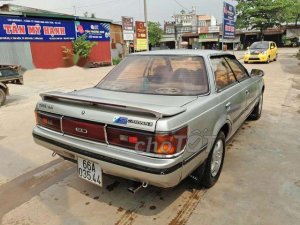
pixel 272 47
pixel 257 72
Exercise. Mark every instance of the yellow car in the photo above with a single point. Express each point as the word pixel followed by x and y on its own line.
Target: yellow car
pixel 262 51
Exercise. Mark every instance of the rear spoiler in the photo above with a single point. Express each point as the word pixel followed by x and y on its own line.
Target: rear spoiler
pixel 157 111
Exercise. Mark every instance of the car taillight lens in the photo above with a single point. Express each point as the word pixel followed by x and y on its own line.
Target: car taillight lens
pixel 49 121
pixel 163 144
pixel 129 138
pixel 170 144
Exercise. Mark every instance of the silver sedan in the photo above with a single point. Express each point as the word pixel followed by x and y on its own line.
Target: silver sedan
pixel 156 118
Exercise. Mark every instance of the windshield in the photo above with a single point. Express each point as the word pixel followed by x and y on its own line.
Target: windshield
pixel 164 75
pixel 260 45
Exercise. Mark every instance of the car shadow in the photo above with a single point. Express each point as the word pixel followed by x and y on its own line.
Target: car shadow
pixel 147 201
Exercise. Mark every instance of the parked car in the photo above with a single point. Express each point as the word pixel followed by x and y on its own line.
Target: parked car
pixel 156 118
pixel 8 75
pixel 261 51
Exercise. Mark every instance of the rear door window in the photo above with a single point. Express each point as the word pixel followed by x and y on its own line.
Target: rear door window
pixel 224 76
pixel 239 70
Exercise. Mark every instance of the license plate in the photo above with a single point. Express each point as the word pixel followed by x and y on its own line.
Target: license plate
pixel 90 171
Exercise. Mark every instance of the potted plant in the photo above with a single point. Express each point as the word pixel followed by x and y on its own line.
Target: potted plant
pixel 79 53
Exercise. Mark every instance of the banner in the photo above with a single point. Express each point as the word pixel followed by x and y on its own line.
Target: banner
pixel 127 26
pixel 32 29
pixel 93 30
pixel 141 36
pixel 141 31
pixel 229 21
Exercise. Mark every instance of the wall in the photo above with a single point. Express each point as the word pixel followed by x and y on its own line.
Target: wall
pixel 16 53
pixel 49 55
pixel 101 52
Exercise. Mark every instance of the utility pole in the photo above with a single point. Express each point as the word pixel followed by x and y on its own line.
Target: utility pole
pixel 146 21
pixel 75 10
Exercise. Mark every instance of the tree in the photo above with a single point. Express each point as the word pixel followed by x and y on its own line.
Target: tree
pixel 295 13
pixel 263 14
pixel 154 32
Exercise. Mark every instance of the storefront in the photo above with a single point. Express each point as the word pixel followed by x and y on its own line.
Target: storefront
pixel 36 40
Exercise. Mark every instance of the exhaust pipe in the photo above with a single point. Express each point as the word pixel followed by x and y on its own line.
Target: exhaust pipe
pixel 137 186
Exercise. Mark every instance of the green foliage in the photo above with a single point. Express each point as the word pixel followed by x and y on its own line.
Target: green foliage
pixel 81 48
pixel 154 32
pixel 116 61
pixel 263 14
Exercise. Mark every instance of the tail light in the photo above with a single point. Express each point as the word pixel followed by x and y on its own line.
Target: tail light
pixel 163 144
pixel 172 143
pixel 49 121
pixel 129 139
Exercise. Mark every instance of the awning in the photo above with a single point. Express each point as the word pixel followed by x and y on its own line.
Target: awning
pixel 167 39
pixel 236 40
pixel 208 40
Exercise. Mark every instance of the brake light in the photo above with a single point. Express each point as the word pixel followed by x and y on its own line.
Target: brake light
pixel 163 144
pixel 128 138
pixel 172 143
pixel 47 120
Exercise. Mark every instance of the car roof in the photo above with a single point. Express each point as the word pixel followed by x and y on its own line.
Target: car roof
pixel 263 42
pixel 196 52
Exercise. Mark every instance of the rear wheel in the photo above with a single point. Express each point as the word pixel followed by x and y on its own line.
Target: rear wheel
pixel 256 114
pixel 2 97
pixel 269 60
pixel 214 162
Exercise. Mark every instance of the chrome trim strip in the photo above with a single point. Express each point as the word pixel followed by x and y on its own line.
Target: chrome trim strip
pixel 61 126
pixel 105 135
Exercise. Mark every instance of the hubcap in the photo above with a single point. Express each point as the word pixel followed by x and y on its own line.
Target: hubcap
pixel 217 157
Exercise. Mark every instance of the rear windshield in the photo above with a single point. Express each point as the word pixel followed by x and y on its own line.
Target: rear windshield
pixel 260 45
pixel 162 75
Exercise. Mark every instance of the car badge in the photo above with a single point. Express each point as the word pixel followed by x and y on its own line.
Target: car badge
pixel 120 120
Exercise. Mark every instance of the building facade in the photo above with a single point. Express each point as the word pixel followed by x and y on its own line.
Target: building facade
pixel 35 38
pixel 209 32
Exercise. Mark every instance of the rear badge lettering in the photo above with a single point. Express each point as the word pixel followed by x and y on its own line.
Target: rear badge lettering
pixel 81 130
pixel 143 123
pixel 120 120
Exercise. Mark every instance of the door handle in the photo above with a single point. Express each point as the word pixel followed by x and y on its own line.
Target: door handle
pixel 228 105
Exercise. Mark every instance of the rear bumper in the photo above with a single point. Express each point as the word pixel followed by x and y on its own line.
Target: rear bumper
pixel 256 58
pixel 158 172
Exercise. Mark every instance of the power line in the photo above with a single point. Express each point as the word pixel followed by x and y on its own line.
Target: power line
pixel 178 3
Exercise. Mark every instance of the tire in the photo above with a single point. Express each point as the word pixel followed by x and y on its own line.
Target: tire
pixel 256 113
pixel 269 60
pixel 2 97
pixel 245 62
pixel 214 162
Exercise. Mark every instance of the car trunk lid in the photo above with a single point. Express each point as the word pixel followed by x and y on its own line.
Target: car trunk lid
pixel 111 108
